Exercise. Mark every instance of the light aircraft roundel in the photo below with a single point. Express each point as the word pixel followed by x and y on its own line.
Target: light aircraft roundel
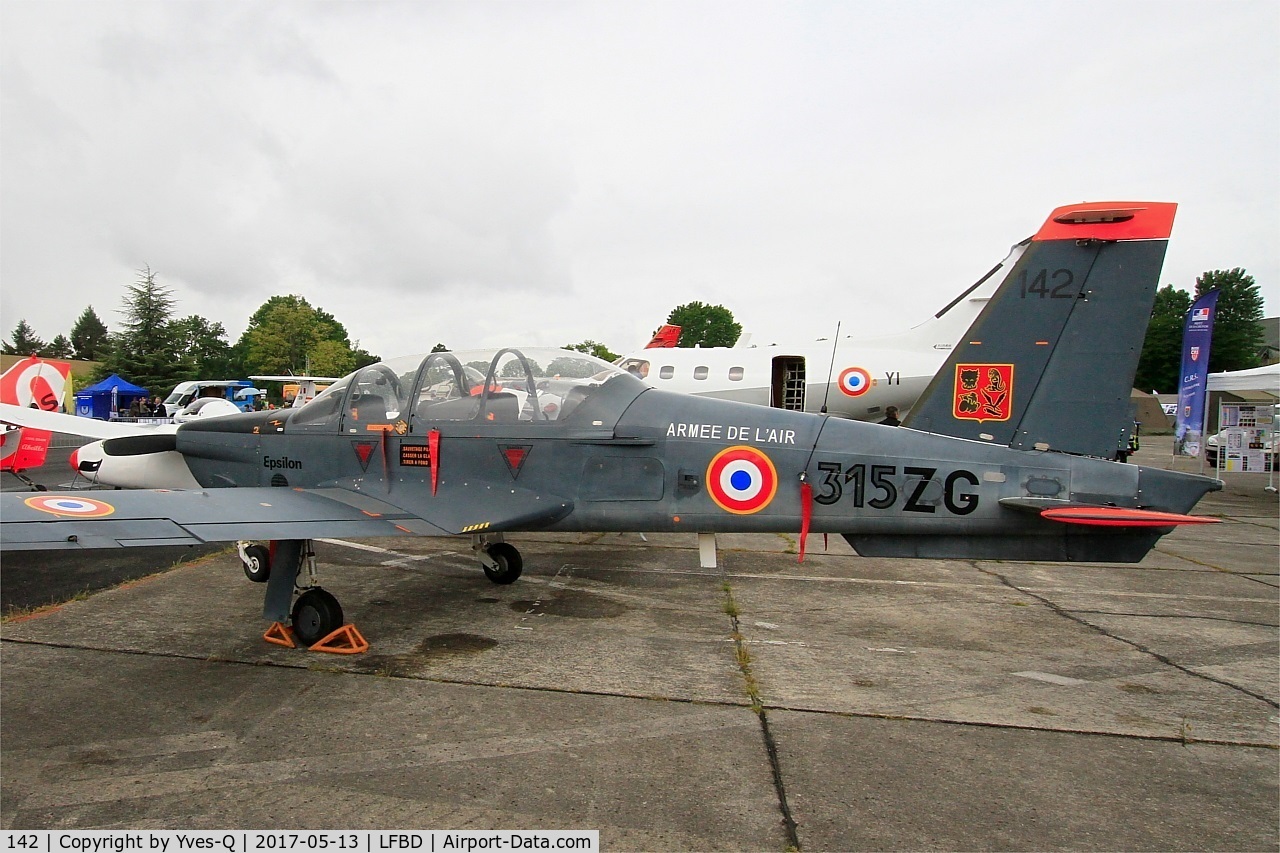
pixel 854 381
pixel 71 507
pixel 742 480
pixel 32 382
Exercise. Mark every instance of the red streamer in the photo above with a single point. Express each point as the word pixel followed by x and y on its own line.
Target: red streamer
pixel 806 515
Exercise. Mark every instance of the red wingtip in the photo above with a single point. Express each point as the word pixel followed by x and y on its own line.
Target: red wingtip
pixel 1118 516
pixel 1110 220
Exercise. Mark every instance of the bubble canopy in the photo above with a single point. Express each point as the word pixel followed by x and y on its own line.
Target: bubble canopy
pixel 530 384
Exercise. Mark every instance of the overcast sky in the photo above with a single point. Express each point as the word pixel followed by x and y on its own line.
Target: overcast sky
pixel 496 173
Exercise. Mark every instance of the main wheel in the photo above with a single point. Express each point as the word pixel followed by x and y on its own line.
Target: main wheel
pixel 510 564
pixel 257 565
pixel 316 615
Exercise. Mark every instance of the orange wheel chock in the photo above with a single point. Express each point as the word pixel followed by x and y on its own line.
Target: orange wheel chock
pixel 347 640
pixel 280 635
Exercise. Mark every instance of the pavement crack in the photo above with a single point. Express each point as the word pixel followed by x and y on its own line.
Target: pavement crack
pixel 1176 616
pixel 743 656
pixel 1164 659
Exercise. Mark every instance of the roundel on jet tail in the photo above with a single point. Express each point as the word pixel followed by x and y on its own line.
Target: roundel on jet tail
pixel 742 480
pixel 854 381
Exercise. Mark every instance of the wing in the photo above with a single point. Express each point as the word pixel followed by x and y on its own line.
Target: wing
pixel 482 507
pixel 160 517
pixel 133 518
pixel 74 425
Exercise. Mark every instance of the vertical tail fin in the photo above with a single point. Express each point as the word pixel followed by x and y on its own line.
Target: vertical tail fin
pixel 1049 363
pixel 665 338
pixel 31 383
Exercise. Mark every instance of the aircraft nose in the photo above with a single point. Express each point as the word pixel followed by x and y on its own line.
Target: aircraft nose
pixel 74 461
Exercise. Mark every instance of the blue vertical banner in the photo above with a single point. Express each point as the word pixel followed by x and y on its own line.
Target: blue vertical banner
pixel 1197 335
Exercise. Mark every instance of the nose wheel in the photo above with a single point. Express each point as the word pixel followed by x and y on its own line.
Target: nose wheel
pixel 256 560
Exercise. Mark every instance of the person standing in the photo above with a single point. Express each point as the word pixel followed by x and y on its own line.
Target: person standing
pixel 891 416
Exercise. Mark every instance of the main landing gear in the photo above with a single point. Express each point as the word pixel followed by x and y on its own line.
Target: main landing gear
pixel 501 560
pixel 315 613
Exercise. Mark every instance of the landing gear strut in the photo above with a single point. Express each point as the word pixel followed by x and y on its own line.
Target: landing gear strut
pixel 316 614
pixel 288 568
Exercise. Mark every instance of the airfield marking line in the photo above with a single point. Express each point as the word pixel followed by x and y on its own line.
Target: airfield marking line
pixel 237 773
pixel 946 585
pixel 553 583
pixel 718 703
pixel 122 748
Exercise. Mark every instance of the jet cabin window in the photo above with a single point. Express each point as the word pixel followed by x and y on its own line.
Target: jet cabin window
pixel 514 386
pixel 374 401
pixel 321 414
pixel 700 372
pixel 667 371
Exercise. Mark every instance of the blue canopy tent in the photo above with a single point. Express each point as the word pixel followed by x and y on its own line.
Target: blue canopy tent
pixel 106 398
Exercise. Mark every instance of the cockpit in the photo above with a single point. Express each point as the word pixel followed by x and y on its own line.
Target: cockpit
pixel 414 393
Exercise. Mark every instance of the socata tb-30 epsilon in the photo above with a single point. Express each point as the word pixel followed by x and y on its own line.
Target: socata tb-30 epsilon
pixel 999 459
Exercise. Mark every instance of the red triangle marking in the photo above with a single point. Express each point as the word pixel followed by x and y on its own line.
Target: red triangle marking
pixel 364 450
pixel 515 456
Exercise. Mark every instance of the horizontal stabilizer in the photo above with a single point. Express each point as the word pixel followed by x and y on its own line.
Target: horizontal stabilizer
pixel 1118 516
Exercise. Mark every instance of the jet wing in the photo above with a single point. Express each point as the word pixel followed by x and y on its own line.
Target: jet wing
pixel 110 519
pixel 478 506
pixel 73 425
pixel 162 517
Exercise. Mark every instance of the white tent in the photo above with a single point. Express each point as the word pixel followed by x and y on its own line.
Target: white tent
pixel 1265 379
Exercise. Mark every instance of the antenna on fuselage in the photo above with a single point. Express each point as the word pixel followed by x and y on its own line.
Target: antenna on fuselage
pixel 831 367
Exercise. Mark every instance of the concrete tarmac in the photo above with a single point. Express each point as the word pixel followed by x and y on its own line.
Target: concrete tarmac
pixel 838 704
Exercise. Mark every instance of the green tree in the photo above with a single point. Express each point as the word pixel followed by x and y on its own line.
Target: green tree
pixel 705 325
pixel 59 347
pixel 331 358
pixel 146 351
pixel 1237 323
pixel 593 348
pixel 24 341
pixel 287 335
pixel 1161 360
pixel 89 336
pixel 205 346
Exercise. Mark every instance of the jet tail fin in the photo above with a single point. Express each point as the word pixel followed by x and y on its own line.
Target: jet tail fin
pixel 1049 363
pixel 666 337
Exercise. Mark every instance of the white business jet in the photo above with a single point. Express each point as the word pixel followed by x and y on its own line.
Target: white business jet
pixel 852 378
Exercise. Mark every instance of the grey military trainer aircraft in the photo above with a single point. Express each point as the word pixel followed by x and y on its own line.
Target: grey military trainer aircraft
pixel 1005 456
